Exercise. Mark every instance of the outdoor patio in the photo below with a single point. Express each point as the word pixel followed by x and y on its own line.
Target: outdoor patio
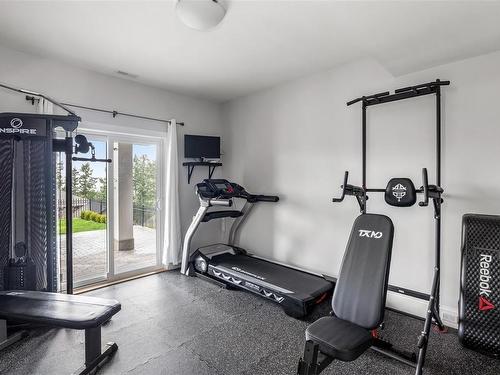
pixel 89 254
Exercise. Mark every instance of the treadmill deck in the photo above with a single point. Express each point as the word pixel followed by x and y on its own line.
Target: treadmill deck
pixel 285 280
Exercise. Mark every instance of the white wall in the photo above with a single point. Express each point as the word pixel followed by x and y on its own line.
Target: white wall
pixel 297 139
pixel 78 86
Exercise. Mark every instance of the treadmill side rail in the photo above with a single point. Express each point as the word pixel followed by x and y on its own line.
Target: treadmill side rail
pixel 189 235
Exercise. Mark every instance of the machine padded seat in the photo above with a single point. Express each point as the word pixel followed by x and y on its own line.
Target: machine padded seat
pixel 57 310
pixel 339 338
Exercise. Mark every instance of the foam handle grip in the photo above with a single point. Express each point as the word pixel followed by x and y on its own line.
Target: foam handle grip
pixel 425 187
pixel 344 187
pixel 267 198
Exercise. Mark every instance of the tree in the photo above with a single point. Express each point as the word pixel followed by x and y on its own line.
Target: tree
pixel 75 179
pixel 85 185
pixel 103 189
pixel 59 178
pixel 144 179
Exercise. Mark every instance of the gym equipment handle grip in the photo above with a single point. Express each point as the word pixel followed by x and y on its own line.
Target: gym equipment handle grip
pixel 425 188
pixel 266 198
pixel 221 202
pixel 344 186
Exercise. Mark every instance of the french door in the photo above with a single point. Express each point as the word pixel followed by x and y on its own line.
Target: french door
pixel 136 200
pixel 116 210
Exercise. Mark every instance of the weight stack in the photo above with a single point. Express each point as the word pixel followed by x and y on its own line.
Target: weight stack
pixel 479 305
pixel 20 275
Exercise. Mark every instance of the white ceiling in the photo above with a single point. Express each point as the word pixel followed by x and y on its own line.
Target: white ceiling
pixel 259 44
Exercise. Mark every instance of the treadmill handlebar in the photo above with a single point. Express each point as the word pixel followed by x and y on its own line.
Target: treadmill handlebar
pixel 221 202
pixel 263 198
pixel 220 192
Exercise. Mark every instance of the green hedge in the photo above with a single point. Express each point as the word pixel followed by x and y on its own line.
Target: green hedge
pixel 93 216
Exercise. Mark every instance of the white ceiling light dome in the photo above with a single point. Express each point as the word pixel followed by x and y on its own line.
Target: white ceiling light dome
pixel 201 14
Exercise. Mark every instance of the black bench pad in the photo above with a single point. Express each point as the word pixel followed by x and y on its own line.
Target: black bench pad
pixel 57 310
pixel 339 338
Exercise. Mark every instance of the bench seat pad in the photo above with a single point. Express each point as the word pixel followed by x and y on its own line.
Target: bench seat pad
pixel 339 338
pixel 58 310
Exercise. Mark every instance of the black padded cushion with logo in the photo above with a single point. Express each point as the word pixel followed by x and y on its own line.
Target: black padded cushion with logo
pixel 58 310
pixel 339 338
pixel 400 192
pixel 359 297
pixel 479 318
pixel 361 288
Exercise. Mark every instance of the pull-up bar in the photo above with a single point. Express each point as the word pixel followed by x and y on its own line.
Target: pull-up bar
pixel 402 93
pixel 373 96
pixel 437 82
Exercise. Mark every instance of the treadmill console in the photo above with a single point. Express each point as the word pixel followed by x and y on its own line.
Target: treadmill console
pixel 224 189
pixel 219 188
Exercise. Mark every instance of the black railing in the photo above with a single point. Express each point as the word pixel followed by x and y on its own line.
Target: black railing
pixel 143 215
pixel 98 206
pixel 79 205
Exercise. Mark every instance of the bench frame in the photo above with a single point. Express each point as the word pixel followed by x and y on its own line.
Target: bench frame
pixel 5 339
pixel 95 357
pixel 314 361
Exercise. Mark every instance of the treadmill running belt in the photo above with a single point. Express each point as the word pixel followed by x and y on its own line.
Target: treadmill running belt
pixel 302 285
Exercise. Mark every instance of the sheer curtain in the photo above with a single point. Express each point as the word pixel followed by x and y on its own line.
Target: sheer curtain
pixel 172 223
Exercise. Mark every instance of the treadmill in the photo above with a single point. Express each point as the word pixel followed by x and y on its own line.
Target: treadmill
pixel 229 266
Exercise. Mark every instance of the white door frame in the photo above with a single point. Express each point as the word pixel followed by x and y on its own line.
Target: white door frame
pixel 98 279
pixel 159 221
pixel 114 134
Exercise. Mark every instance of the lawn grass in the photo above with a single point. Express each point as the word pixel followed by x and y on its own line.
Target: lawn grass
pixel 80 225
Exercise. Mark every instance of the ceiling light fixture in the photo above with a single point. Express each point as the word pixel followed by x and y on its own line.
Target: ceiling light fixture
pixel 201 14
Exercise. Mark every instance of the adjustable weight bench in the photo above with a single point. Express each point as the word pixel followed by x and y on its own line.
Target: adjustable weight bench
pixel 63 311
pixel 359 298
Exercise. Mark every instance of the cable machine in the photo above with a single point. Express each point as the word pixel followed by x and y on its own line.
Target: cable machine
pixel 396 192
pixel 28 142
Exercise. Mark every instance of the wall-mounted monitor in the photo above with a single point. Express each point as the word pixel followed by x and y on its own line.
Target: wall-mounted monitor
pixel 201 147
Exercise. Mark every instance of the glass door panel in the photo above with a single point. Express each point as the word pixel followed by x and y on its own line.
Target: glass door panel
pixel 90 213
pixel 116 230
pixel 135 195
